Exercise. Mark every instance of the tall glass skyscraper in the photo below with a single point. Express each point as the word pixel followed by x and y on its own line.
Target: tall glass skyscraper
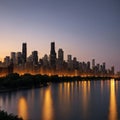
pixel 35 57
pixel 53 56
pixel 24 52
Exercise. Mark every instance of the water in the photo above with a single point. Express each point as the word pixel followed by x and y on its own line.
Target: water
pixel 83 100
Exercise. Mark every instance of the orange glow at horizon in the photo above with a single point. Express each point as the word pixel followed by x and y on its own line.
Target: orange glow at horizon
pixel 22 108
pixel 113 105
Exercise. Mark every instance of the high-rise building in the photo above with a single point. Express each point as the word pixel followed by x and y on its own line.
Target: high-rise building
pixel 13 57
pixel 30 59
pixel 84 67
pixel 69 58
pixel 60 55
pixel 19 58
pixel 93 63
pixel 88 66
pixel 104 66
pixel 35 57
pixel 7 60
pixel 24 52
pixel 75 63
pixel 45 61
pixel 53 56
pixel 60 59
pixel 70 62
pixel 112 70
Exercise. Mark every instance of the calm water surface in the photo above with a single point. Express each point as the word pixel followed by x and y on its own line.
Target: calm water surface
pixel 83 100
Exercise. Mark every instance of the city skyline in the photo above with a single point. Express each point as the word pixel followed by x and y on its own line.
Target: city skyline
pixel 87 30
pixel 24 53
pixel 52 64
pixel 56 55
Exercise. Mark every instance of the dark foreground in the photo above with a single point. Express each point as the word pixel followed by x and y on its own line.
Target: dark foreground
pixel 5 116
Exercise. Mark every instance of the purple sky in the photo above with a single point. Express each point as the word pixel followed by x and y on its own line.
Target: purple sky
pixel 86 29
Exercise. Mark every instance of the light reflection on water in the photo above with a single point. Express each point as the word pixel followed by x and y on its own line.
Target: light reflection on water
pixel 47 111
pixel 23 108
pixel 113 104
pixel 80 100
pixel 85 96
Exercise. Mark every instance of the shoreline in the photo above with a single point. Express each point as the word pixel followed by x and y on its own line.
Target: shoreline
pixel 21 88
pixel 15 82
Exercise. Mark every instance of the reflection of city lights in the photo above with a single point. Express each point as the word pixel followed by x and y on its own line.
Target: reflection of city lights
pixel 84 96
pixel 22 108
pixel 88 87
pixel 86 91
pixel 101 85
pixel 47 106
pixel 113 106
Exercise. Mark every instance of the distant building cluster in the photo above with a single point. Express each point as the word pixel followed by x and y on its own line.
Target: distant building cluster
pixel 52 64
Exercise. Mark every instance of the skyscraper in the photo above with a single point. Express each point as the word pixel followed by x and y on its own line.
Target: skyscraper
pixel 45 61
pixel 7 60
pixel 69 58
pixel 104 66
pixel 53 56
pixel 24 52
pixel 19 58
pixel 93 63
pixel 60 59
pixel 70 62
pixel 112 70
pixel 35 57
pixel 75 63
pixel 60 55
pixel 13 57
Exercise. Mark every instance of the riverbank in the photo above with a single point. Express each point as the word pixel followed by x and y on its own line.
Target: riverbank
pixel 2 90
pixel 14 81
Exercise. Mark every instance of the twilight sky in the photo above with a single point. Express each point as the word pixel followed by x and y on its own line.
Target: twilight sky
pixel 86 29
